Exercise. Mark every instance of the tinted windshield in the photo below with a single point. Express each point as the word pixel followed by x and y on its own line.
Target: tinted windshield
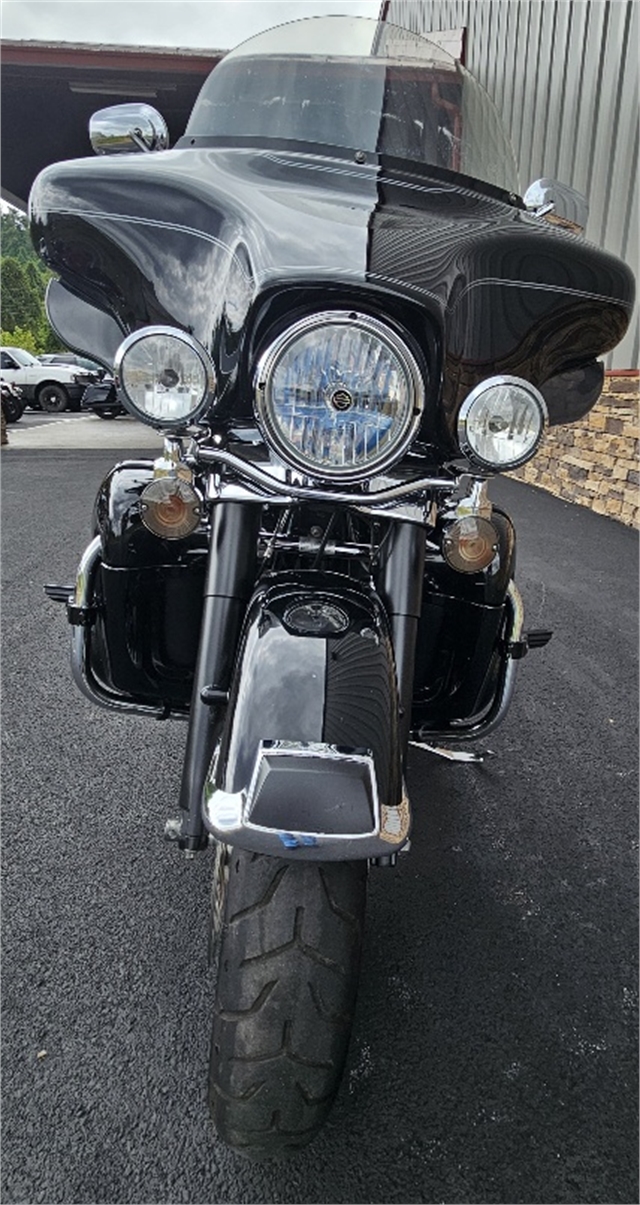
pixel 361 85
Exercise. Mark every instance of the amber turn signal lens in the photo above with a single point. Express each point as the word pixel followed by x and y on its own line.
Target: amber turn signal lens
pixel 170 508
pixel 470 544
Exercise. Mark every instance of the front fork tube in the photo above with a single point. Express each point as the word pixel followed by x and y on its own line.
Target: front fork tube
pixel 400 587
pixel 230 581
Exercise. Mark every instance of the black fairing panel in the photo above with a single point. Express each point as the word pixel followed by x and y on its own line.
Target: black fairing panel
pixel 200 237
pixel 80 325
pixel 329 689
pixel 144 643
pixel 459 646
pixel 126 542
pixel 145 639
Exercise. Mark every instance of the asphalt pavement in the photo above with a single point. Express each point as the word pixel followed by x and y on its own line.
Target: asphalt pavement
pixel 494 1053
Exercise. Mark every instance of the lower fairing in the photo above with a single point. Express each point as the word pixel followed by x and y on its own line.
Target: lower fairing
pixel 145 599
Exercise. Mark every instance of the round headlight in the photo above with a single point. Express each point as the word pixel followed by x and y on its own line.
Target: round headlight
pixel 501 423
pixel 339 396
pixel 165 376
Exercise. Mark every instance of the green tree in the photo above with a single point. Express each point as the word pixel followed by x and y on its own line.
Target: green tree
pixel 35 276
pixel 21 338
pixel 14 232
pixel 24 282
pixel 21 299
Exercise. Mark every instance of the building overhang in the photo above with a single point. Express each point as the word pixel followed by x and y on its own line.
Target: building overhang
pixel 50 89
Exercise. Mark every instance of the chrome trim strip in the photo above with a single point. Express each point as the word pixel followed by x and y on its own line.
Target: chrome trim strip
pixel 468 730
pixel 80 636
pixel 286 493
pixel 228 815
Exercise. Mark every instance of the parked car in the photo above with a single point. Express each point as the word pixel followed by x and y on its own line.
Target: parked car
pixel 50 387
pixel 102 398
pixel 13 403
pixel 69 358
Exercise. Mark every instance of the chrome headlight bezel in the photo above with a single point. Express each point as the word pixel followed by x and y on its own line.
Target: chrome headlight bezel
pixel 182 337
pixel 263 381
pixel 465 442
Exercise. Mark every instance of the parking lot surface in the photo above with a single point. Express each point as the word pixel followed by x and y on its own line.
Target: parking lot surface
pixel 494 1054
pixel 76 431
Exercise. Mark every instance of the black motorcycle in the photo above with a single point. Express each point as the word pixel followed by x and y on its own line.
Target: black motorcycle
pixel 102 399
pixel 333 301
pixel 13 403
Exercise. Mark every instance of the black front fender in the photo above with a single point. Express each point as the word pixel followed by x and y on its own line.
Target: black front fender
pixel 310 758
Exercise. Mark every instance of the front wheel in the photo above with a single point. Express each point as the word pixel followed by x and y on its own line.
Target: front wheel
pixel 288 965
pixel 53 399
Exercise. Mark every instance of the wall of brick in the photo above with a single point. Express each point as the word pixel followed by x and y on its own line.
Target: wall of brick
pixel 595 462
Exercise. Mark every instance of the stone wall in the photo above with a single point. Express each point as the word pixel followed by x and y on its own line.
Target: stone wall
pixel 595 462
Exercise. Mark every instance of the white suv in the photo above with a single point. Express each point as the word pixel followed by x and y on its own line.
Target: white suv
pixel 50 387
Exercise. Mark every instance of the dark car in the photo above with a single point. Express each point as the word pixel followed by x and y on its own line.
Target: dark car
pixel 102 398
pixel 72 361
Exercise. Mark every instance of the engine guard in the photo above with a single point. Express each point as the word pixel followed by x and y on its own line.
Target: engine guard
pixel 309 765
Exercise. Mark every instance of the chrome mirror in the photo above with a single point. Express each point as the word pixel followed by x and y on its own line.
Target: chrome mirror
pixel 558 203
pixel 124 128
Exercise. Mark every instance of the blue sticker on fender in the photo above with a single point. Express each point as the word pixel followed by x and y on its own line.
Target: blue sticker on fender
pixel 292 842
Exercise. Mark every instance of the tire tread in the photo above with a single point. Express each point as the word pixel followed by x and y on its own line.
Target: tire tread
pixel 287 980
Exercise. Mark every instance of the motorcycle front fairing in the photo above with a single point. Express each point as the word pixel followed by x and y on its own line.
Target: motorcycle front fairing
pixel 366 168
pixel 227 242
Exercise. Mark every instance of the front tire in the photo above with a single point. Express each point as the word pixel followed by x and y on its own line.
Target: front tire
pixel 288 966
pixel 53 399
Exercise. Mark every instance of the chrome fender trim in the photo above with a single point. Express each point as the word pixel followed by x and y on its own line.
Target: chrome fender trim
pixel 231 818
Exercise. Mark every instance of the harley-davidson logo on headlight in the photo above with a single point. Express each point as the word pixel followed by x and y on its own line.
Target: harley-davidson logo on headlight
pixel 341 399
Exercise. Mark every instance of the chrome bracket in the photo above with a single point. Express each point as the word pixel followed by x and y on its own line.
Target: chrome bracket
pixel 172 463
pixel 460 755
pixel 470 498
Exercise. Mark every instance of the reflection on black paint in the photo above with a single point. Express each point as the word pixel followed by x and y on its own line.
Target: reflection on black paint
pixel 202 238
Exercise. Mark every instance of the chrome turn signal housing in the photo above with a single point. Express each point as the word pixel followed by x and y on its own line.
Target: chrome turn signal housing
pixel 170 508
pixel 470 544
